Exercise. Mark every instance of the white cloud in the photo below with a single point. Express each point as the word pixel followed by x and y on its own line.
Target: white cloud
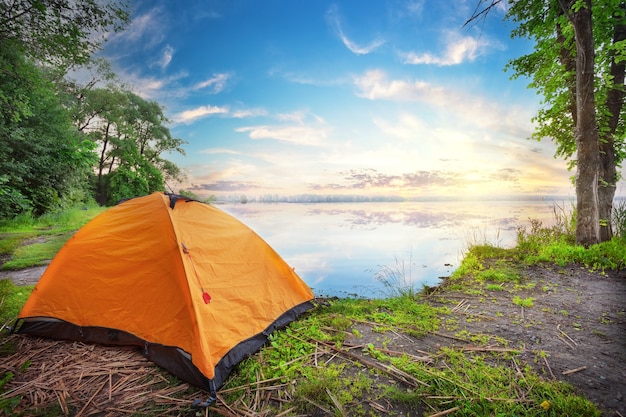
pixel 166 57
pixel 150 88
pixel 189 116
pixel 147 29
pixel 357 49
pixel 300 135
pixel 217 82
pixel 301 127
pixel 244 113
pixel 299 117
pixel 214 151
pixel 458 49
pixel 452 104
pixel 332 16
pixel 374 85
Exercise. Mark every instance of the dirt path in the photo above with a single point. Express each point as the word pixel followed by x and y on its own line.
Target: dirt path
pixel 578 319
pixel 27 276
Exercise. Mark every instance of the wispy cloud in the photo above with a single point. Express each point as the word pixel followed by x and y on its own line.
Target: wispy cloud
pixel 216 83
pixel 457 50
pixel 296 134
pixel 166 56
pixel 332 17
pixel 146 29
pixel 423 180
pixel 300 127
pixel 460 105
pixel 245 113
pixel 375 85
pixel 214 151
pixel 415 7
pixel 150 87
pixel 189 116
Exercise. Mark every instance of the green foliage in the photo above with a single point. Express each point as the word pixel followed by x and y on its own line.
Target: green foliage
pixel 562 48
pixel 470 264
pixel 605 255
pixel 61 32
pixel 131 135
pixel 316 385
pixel 619 219
pixel 50 127
pixel 42 154
pixel 9 243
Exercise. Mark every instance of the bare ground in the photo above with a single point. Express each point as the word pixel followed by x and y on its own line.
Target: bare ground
pixel 578 319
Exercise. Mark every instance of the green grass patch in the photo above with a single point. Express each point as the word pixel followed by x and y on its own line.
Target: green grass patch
pixel 524 302
pixel 473 385
pixel 36 254
pixel 12 298
pixel 26 241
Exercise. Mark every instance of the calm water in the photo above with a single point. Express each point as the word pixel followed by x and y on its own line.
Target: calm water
pixel 337 248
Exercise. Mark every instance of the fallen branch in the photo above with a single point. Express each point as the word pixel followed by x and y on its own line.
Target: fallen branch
pixel 572 371
pixel 446 412
pixel 389 369
pixel 558 327
pixel 393 353
pixel 335 402
pixel 549 369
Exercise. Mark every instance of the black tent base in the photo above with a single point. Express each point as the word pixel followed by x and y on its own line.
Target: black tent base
pixel 172 358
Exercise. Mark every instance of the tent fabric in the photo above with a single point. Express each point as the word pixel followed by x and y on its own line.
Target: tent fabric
pixel 191 285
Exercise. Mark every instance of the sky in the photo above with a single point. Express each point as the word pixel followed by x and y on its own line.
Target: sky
pixel 369 98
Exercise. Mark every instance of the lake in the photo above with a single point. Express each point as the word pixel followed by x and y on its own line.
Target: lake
pixel 339 248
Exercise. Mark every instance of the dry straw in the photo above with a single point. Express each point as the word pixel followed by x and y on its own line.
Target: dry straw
pixel 85 379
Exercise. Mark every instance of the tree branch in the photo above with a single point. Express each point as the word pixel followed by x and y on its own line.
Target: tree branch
pixel 478 13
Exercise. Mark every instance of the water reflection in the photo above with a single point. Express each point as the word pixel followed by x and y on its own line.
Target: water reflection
pixel 337 247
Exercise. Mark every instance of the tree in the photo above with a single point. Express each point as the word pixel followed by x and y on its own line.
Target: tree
pixel 61 32
pixel 130 135
pixel 578 67
pixel 44 160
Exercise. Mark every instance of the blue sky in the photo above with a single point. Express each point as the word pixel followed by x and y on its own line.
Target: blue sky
pixel 339 97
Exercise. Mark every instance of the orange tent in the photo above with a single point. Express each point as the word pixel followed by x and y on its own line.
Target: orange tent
pixel 194 287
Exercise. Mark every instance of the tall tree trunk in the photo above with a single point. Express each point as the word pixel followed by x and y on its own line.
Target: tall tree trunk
pixel 587 140
pixel 608 168
pixel 100 197
pixel 567 57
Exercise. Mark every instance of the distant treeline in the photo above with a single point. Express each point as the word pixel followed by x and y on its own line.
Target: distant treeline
pixel 344 198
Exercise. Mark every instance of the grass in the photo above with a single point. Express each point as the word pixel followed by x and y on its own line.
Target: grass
pixel 468 384
pixel 27 241
pixel 523 302
pixel 397 280
pixel 12 298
